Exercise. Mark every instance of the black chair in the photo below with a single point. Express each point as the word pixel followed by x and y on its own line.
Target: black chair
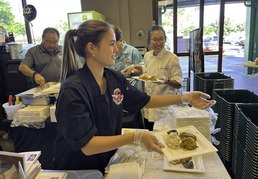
pixel 15 81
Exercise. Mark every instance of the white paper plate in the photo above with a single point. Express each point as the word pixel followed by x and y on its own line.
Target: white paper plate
pixel 204 146
pixel 150 81
pixel 198 165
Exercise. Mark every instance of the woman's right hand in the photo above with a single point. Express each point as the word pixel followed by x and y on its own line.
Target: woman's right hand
pixel 148 141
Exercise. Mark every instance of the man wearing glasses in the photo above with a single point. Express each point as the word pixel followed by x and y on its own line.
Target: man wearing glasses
pixel 43 61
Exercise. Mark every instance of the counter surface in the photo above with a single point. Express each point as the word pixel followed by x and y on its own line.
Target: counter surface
pixel 249 64
pixel 214 169
pixel 27 139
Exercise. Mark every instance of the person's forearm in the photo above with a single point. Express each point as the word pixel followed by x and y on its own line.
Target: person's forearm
pixel 137 70
pixel 163 100
pixel 100 144
pixel 174 84
pixel 24 69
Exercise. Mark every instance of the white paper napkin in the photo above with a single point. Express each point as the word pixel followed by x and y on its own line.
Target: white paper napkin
pixel 130 170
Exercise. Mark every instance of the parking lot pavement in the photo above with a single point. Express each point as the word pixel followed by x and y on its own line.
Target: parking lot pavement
pixel 230 66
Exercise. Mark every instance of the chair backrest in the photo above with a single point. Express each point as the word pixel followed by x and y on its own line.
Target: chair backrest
pixel 15 81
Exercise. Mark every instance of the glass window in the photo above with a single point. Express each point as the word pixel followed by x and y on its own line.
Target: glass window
pixel 13 20
pixel 50 13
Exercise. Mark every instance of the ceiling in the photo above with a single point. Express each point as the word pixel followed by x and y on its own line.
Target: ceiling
pixel 189 3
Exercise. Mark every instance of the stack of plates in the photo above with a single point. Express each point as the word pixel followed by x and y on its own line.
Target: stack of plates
pixel 237 160
pixel 226 99
pixel 241 127
pixel 217 108
pixel 245 147
pixel 207 82
pixel 200 119
pixel 251 160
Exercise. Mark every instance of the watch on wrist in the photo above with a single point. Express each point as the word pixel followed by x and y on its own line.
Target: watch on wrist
pixel 34 74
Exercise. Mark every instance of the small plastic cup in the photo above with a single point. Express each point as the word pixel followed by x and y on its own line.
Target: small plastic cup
pixel 11 110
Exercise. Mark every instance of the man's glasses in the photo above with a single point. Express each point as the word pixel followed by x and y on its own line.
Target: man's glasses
pixel 50 43
pixel 158 40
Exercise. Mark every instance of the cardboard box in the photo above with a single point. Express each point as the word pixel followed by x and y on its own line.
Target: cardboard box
pixel 76 18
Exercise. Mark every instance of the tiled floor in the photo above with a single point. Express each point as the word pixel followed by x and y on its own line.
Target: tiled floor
pixel 6 144
pixel 231 67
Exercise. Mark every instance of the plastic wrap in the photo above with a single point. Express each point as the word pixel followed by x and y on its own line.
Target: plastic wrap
pixel 128 154
pixel 180 116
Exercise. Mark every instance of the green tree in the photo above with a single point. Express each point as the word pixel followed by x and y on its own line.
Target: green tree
pixel 185 22
pixel 7 20
pixel 62 27
pixel 208 30
pixel 214 26
pixel 186 31
pixel 240 27
pixel 229 27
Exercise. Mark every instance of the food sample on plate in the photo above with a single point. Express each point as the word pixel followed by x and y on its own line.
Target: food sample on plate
pixel 147 77
pixel 204 146
pixel 186 162
pixel 153 78
pixel 144 77
pixel 184 140
pixel 172 139
pixel 188 141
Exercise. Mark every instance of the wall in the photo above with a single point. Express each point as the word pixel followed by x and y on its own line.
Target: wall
pixel 251 47
pixel 132 16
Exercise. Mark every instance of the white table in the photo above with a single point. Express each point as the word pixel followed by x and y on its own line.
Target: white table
pixel 251 65
pixel 213 166
pixel 77 174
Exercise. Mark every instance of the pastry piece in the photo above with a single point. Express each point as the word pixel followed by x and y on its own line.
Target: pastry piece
pixel 153 78
pixel 144 77
pixel 175 162
pixel 173 130
pixel 188 164
pixel 172 140
pixel 184 160
pixel 188 143
pixel 187 134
